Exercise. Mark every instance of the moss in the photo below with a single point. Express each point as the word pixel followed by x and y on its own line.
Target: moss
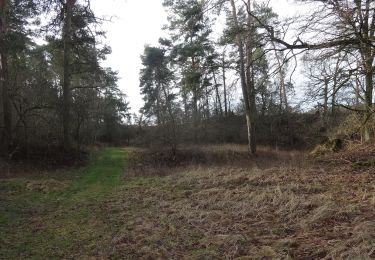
pixel 368 163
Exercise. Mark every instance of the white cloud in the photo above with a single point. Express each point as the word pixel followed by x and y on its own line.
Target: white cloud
pixel 134 24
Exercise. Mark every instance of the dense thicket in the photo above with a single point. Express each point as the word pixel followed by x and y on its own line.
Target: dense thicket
pixel 237 78
pixel 54 91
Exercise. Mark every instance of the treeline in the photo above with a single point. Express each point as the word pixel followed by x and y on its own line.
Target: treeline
pixel 203 74
pixel 280 131
pixel 223 73
pixel 54 91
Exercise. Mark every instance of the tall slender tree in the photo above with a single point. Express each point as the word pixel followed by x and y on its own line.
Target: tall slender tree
pixel 14 39
pixel 67 39
pixel 190 29
pixel 4 75
pixel 245 80
pixel 157 91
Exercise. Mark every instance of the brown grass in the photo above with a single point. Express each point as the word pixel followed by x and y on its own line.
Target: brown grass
pixel 161 162
pixel 42 160
pixel 210 202
pixel 283 211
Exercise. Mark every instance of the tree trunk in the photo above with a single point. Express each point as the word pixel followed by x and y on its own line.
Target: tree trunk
pixel 335 86
pixel 207 103
pixel 195 90
pixel 186 109
pixel 282 90
pixel 67 35
pixel 333 99
pixel 158 116
pixel 243 79
pixel 368 99
pixel 367 28
pixel 357 92
pixel 325 104
pixel 250 81
pixel 253 115
pixel 218 95
pixel 195 116
pixel 173 122
pixel 225 88
pixel 4 79
pixel 78 130
pixel 368 56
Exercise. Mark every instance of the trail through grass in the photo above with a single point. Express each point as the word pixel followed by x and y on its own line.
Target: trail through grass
pixel 204 211
pixel 60 215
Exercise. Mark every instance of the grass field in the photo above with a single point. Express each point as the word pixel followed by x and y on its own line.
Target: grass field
pixel 60 215
pixel 284 209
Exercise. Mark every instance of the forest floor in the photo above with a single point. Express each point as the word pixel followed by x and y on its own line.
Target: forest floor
pixel 201 203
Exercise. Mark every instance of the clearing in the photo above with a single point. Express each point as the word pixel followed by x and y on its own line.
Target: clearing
pixel 274 206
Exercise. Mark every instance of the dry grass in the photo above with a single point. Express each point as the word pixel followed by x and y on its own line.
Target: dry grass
pixel 161 162
pixel 212 202
pixel 287 211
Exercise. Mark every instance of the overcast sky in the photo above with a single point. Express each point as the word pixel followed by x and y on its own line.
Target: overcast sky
pixel 136 23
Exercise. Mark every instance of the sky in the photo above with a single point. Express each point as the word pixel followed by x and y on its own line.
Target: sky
pixel 136 23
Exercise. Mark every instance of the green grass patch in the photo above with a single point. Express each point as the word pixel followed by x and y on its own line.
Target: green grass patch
pixel 368 163
pixel 54 217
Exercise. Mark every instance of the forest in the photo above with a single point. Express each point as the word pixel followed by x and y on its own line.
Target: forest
pixel 254 140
